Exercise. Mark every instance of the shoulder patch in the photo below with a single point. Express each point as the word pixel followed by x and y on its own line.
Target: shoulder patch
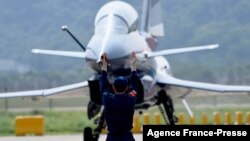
pixel 133 93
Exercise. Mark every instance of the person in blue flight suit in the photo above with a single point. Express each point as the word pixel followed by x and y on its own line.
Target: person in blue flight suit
pixel 119 106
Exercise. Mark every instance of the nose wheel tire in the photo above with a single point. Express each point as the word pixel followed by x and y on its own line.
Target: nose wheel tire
pixel 87 134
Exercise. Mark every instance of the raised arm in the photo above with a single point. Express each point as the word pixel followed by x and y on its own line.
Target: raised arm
pixel 104 74
pixel 134 78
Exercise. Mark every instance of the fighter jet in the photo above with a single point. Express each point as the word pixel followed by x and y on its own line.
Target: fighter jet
pixel 119 32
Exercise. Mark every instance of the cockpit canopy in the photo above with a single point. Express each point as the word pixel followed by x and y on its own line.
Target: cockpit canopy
pixel 116 17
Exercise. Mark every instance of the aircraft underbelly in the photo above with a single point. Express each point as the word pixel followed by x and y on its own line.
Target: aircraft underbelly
pixel 172 91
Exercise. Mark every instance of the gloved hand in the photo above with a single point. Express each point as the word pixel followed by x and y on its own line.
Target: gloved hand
pixel 133 62
pixel 104 62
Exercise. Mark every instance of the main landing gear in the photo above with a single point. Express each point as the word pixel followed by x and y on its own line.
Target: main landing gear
pixel 163 99
pixel 165 104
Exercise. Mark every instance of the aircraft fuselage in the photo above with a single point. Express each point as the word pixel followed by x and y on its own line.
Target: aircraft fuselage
pixel 116 35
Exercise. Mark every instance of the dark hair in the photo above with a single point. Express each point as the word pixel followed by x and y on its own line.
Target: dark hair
pixel 120 84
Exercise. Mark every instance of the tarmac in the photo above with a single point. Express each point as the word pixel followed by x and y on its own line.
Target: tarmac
pixel 77 137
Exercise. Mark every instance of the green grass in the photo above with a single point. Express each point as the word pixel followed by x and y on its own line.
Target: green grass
pixel 70 122
pixel 56 122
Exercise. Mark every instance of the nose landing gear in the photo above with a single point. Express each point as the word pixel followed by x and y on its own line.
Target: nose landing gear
pixel 89 135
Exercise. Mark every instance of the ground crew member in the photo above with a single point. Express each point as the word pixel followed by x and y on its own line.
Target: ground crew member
pixel 119 106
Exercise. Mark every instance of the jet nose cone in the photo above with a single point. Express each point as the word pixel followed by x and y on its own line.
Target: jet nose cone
pixel 114 46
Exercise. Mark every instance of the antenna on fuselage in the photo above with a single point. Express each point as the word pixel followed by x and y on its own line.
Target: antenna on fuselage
pixel 65 28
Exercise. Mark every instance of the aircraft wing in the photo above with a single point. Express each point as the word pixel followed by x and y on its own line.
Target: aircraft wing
pixel 172 81
pixel 45 92
pixel 60 53
pixel 180 50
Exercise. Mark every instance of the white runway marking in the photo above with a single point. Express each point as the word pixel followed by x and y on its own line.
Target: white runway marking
pixel 78 137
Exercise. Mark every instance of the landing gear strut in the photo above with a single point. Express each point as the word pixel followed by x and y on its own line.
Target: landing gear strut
pixel 88 135
pixel 165 100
